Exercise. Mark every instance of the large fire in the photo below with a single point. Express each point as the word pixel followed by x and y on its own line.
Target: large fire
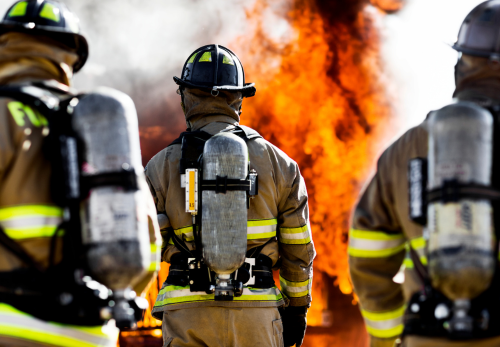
pixel 320 98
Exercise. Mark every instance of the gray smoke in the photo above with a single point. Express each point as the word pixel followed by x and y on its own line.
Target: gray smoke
pixel 137 46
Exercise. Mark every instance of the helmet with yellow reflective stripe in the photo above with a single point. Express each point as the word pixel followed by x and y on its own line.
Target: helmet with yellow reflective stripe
pixel 215 67
pixel 49 18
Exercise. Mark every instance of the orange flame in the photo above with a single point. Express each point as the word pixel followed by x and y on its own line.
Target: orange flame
pixel 322 105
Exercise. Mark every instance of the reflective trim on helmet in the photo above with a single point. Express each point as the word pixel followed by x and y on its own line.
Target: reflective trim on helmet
pixel 374 244
pixel 19 9
pixel 23 222
pixel 295 289
pixel 239 68
pixel 50 12
pixel 206 57
pixel 384 324
pixel 191 59
pixel 170 295
pixel 295 236
pixel 17 324
pixel 261 229
pixel 226 59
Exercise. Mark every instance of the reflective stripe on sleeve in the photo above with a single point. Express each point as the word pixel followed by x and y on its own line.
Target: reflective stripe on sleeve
pixel 17 324
pixel 295 236
pixel 295 289
pixel 30 221
pixel 256 229
pixel 374 244
pixel 384 324
pixel 154 264
pixel 261 229
pixel 170 295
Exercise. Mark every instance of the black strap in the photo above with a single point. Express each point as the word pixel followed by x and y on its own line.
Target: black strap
pixel 180 244
pixel 18 251
pixel 125 178
pixel 246 133
pixel 223 184
pixel 453 191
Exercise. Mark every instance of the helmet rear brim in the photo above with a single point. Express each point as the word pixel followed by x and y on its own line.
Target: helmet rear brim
pixel 248 90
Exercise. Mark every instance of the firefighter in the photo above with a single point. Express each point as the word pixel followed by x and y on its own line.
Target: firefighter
pixel 383 238
pixel 40 49
pixel 277 232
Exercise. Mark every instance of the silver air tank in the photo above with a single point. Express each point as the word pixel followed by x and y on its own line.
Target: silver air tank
pixel 461 234
pixel 224 216
pixel 114 220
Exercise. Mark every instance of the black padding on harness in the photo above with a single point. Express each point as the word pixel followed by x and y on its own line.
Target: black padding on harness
pixel 223 184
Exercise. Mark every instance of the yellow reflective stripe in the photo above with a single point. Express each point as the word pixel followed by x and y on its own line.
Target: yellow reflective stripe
pixel 261 229
pixel 154 264
pixel 418 243
pixel 384 324
pixel 374 254
pixel 170 295
pixel 186 231
pixel 17 324
pixel 295 289
pixel 19 9
pixel 191 59
pixel 374 235
pixel 227 60
pixel 374 244
pixel 295 236
pixel 207 56
pixel 30 221
pixel 28 210
pixel 28 233
pixel 408 263
pixel 50 12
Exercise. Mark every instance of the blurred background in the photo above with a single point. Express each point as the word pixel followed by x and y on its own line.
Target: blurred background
pixel 337 81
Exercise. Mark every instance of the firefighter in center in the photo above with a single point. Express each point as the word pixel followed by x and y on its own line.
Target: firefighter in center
pixel 432 210
pixel 231 207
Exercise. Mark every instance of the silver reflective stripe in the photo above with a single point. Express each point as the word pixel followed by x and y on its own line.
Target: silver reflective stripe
pixel 374 245
pixel 30 222
pixel 261 229
pixel 34 325
pixel 290 236
pixel 384 324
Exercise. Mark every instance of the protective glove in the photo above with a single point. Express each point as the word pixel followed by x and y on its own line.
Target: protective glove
pixel 294 325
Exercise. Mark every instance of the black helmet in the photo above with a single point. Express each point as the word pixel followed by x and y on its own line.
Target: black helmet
pixel 480 32
pixel 216 68
pixel 50 18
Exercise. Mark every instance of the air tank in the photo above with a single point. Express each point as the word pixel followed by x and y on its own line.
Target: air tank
pixel 114 220
pixel 461 231
pixel 224 215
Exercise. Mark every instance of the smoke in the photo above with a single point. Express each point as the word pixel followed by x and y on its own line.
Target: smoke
pixel 418 55
pixel 138 46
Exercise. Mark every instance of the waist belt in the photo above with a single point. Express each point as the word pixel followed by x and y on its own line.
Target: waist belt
pixel 255 272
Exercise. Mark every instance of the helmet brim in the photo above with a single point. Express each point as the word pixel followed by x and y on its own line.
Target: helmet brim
pixel 248 90
pixel 474 52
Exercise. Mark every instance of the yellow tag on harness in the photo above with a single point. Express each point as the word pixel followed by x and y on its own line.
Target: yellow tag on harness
pixel 192 191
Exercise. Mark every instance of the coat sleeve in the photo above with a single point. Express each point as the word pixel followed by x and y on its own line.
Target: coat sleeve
pixel 7 144
pixel 296 246
pixel 376 253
